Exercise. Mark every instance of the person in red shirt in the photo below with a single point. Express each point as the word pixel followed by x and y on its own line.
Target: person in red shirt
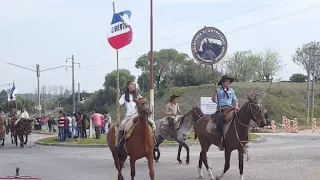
pixel 96 121
pixel 61 126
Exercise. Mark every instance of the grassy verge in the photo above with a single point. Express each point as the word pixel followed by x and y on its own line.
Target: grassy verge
pixel 102 140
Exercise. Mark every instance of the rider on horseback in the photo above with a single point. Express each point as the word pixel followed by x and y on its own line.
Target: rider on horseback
pixel 225 97
pixel 172 111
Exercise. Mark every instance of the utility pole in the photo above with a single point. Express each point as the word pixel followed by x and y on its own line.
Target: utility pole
pixel 78 92
pixel 73 84
pixel 37 71
pixel 315 59
pixel 151 86
pixel 308 86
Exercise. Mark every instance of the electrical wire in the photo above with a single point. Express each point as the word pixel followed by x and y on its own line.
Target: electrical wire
pixel 183 32
pixel 310 8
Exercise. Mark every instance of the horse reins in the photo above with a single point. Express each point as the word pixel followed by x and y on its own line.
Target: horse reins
pixel 247 126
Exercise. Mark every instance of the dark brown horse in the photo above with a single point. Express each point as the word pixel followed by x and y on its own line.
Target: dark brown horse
pixel 236 137
pixel 140 144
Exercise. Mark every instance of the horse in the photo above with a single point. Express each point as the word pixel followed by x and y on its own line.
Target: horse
pixel 138 144
pixel 236 137
pixel 180 135
pixel 22 128
pixel 12 129
pixel 2 130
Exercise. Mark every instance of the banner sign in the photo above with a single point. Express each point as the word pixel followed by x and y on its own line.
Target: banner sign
pixel 207 106
pixel 209 45
pixel 120 32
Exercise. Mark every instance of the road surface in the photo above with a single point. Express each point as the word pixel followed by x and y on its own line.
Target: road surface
pixel 281 157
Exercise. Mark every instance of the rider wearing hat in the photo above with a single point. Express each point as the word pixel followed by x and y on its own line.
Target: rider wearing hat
pixel 172 110
pixel 225 97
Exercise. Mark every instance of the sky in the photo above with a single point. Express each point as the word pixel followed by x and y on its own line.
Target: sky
pixel 46 32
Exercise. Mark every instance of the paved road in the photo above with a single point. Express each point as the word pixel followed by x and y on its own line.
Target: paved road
pixel 281 157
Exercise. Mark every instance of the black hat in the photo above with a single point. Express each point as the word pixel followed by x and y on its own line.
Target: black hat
pixel 172 97
pixel 225 77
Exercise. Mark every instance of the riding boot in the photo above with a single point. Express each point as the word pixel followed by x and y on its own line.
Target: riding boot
pixel 171 123
pixel 120 139
pixel 220 141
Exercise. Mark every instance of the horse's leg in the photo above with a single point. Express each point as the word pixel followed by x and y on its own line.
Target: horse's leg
pixel 227 154
pixel 150 165
pixel 200 167
pixel 133 167
pixel 205 145
pixel 21 141
pixel 16 139
pixel 240 154
pixel 12 137
pixel 183 144
pixel 25 142
pixel 179 152
pixel 156 152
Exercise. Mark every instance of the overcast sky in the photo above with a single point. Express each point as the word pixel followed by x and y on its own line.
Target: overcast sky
pixel 46 32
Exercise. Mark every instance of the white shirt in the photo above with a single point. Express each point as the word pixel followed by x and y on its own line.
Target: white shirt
pixel 25 115
pixel 130 106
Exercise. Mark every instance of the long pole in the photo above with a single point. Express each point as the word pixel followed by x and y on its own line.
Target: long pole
pixel 308 87
pixel 38 85
pixel 118 84
pixel 73 91
pixel 313 84
pixel 151 62
pixel 78 92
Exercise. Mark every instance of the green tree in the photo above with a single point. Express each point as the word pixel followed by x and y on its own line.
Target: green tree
pixel 111 79
pixel 270 63
pixel 298 78
pixel 167 64
pixel 302 56
pixel 21 102
pixel 143 82
pixel 243 65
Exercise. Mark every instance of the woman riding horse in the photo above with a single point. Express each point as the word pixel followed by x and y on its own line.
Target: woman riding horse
pixel 225 98
pixel 173 111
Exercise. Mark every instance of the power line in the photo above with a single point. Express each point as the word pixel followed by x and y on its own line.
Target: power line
pixel 183 32
pixel 310 8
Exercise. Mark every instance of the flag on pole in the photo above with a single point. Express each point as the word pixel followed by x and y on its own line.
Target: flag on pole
pixel 120 32
pixel 12 93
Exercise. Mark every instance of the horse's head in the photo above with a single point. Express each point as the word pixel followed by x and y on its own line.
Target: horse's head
pixel 254 109
pixel 196 114
pixel 142 106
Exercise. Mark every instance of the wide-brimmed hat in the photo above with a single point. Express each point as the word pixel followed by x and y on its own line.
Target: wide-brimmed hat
pixel 172 97
pixel 225 77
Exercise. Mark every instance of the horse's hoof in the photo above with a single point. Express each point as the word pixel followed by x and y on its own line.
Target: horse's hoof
pixel 180 162
pixel 201 177
pixel 187 161
pixel 157 161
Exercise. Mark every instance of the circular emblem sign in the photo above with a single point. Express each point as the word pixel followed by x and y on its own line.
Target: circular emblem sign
pixel 209 45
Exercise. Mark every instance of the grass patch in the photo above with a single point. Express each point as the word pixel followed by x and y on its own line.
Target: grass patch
pixel 55 140
pixel 102 140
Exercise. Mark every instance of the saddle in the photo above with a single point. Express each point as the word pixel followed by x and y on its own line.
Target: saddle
pixel 164 123
pixel 227 116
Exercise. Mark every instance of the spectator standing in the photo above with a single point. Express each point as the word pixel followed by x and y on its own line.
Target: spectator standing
pixel 61 120
pixel 96 121
pixel 74 126
pixel 103 126
pixel 83 119
pixel 66 127
pixel 70 125
pixel 107 121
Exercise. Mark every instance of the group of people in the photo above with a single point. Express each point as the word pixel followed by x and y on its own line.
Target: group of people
pixel 76 126
pixel 224 96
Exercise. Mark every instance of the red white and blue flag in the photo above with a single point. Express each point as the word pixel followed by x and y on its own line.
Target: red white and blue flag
pixel 120 32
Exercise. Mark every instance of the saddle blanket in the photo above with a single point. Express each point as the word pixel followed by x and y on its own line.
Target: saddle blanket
pixel 130 123
pixel 165 122
pixel 211 127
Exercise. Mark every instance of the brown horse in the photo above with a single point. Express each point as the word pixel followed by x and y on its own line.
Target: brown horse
pixel 140 144
pixel 236 137
pixel 2 130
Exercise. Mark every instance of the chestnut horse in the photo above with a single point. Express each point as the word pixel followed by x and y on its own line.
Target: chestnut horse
pixel 2 130
pixel 140 144
pixel 236 137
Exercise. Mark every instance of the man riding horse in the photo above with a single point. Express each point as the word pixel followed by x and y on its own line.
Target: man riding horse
pixel 173 111
pixel 226 99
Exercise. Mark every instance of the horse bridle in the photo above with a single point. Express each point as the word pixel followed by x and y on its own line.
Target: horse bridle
pixel 194 110
pixel 243 143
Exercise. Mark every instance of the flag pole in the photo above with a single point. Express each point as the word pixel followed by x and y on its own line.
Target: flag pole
pixel 118 89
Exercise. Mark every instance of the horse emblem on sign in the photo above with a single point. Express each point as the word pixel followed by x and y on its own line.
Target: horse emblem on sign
pixel 209 45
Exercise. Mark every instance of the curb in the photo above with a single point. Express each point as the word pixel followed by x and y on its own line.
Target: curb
pixel 258 140
pixel 45 133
